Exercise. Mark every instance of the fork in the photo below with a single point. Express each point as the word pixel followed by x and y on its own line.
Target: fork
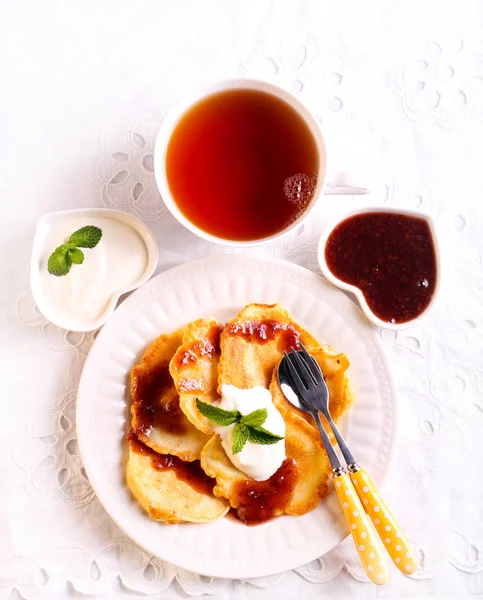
pixel 312 389
pixel 366 541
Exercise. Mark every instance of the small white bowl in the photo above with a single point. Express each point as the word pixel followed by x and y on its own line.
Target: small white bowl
pixel 43 246
pixel 356 291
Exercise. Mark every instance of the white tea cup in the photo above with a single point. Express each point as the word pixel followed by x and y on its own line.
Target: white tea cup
pixel 335 185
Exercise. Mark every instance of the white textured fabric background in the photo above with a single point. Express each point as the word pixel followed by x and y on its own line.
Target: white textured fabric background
pixel 398 88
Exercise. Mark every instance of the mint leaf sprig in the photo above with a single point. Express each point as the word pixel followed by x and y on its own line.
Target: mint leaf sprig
pixel 63 257
pixel 248 427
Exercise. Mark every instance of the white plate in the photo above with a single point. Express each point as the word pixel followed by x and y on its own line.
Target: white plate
pixel 221 287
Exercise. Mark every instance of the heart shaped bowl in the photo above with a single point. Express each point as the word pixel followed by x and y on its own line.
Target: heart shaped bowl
pixel 43 245
pixel 329 275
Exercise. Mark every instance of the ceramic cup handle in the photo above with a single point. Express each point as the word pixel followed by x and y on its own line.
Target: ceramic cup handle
pixel 386 526
pixel 343 184
pixel 367 543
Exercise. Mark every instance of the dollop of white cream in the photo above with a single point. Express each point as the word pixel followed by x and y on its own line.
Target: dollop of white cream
pixel 118 260
pixel 257 461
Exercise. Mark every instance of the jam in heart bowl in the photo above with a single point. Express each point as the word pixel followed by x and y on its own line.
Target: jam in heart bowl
pixel 388 258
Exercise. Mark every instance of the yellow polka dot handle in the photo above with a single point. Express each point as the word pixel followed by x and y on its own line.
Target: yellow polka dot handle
pixel 367 543
pixel 386 526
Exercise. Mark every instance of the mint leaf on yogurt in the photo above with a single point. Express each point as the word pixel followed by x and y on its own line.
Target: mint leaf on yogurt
pixel 60 261
pixel 248 427
pixel 63 257
pixel 240 437
pixel 220 416
pixel 259 435
pixel 76 256
pixel 257 417
pixel 86 237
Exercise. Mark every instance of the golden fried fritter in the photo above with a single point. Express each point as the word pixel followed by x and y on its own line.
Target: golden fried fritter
pixel 252 345
pixel 194 369
pixel 157 418
pixel 171 490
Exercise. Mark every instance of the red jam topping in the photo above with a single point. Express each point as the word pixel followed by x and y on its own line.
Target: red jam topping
pixel 260 501
pixel 265 331
pixel 189 472
pixel 390 257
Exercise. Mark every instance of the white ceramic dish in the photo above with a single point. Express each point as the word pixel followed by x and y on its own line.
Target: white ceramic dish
pixel 173 118
pixel 43 246
pixel 356 291
pixel 221 287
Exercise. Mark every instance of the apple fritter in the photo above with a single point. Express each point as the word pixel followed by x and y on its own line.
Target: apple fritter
pixel 195 363
pixel 171 490
pixel 157 418
pixel 252 345
pixel 255 340
pixel 194 369
pixel 294 489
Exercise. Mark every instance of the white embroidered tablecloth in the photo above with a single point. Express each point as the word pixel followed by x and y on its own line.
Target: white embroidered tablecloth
pixel 398 89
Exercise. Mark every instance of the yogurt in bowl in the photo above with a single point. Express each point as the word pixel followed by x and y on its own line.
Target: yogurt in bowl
pixel 85 298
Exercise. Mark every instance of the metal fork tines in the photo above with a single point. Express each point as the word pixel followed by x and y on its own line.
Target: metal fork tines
pixel 312 389
pixel 297 382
